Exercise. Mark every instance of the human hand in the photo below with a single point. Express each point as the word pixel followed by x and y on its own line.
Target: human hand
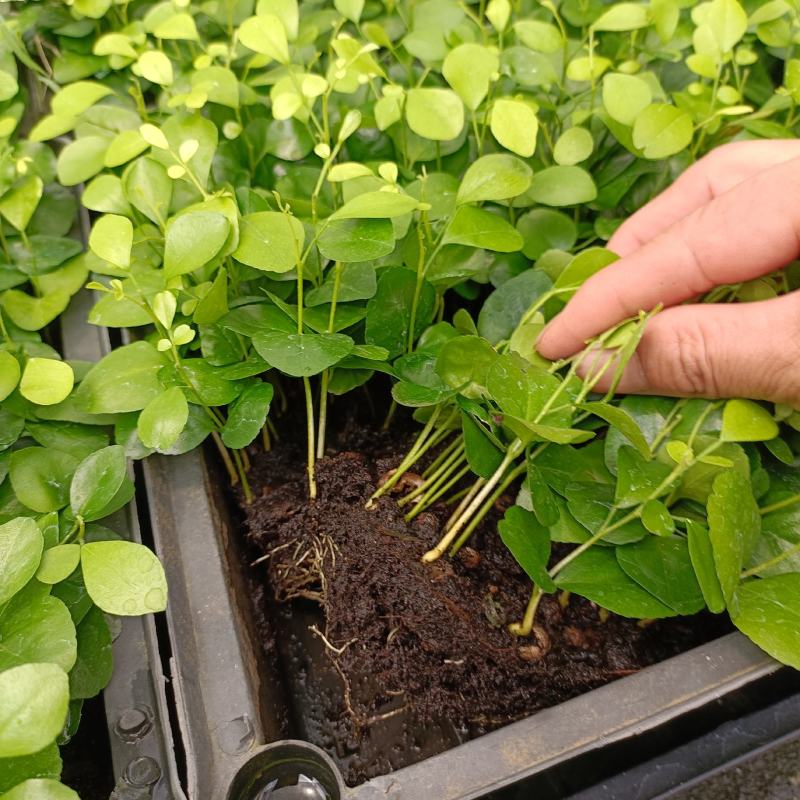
pixel 732 217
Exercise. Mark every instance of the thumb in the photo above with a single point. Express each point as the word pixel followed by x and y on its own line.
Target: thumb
pixel 715 351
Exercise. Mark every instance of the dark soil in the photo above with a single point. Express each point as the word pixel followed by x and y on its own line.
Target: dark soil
pixel 415 658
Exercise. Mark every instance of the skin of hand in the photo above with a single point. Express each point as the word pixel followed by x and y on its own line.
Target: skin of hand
pixel 731 217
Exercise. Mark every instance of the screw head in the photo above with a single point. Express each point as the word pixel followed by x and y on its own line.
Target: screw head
pixel 142 772
pixel 134 723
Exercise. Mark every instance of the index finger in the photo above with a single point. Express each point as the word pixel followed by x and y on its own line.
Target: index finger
pixel 744 233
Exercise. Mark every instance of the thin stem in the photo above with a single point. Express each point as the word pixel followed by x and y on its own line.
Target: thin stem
pixel 312 484
pixel 429 486
pixel 323 392
pixel 771 562
pixel 465 501
pixel 780 504
pixel 248 495
pixel 226 458
pixel 426 503
pixel 526 626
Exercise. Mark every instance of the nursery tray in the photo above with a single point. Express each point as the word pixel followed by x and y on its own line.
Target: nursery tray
pixel 144 764
pixel 232 709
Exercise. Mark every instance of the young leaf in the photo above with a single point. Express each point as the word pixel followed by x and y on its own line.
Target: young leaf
pixel 155 67
pixel 734 525
pixel 529 543
pixel 270 240
pixel 766 610
pixel 19 204
pixel 746 421
pixel 247 415
pixel 663 567
pixel 21 546
pixel 123 578
pixel 97 479
pixel 625 97
pixel 498 176
pixel 515 126
pixel 58 562
pixel 46 381
pixel 573 146
pixel 265 34
pixel 163 419
pixel 469 69
pixel 623 17
pixel 623 422
pixel 597 576
pixel 562 186
pixel 33 707
pixel 662 130
pixel 9 374
pixel 376 205
pixel 81 159
pixel 702 556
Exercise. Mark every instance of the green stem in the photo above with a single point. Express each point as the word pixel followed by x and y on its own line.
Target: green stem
pixel 525 627
pixel 425 488
pixel 780 504
pixel 226 458
pixel 248 495
pixel 426 502
pixel 312 484
pixel 323 392
pixel 771 562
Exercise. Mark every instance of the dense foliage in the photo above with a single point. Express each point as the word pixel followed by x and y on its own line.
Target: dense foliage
pixel 328 191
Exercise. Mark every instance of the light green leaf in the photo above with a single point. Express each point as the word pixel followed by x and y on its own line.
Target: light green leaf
pixel 51 126
pixel 727 21
pixel 623 17
pixel 112 239
pixel 177 26
pixel 46 381
pixel 353 240
pixel 41 476
pixel 9 374
pixel 662 130
pixel 469 69
pixel 436 114
pixel 270 240
pixel 96 481
pixel 193 239
pixel 376 205
pixel 163 419
pixel 126 145
pixel 479 228
pixel 81 159
pixel 747 421
pixel 515 126
pixel 265 34
pixel 21 546
pixel 19 204
pixel 498 176
pixel 74 99
pixel 767 610
pixel 351 9
pixel 33 313
pixel 155 67
pixel 124 578
pixel 562 186
pixel 625 97
pixel 58 562
pixel 33 707
pixel 702 556
pixel 623 422
pixel 148 188
pixel 573 146
pixel 543 37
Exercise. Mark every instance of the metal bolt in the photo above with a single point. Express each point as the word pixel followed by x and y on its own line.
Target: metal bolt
pixel 142 772
pixel 133 724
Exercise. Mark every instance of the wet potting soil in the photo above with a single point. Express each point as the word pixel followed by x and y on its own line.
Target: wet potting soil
pixel 388 660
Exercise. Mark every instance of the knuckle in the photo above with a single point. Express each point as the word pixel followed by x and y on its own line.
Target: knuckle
pixel 686 367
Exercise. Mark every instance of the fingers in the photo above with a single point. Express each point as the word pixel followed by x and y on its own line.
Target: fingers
pixel 717 173
pixel 747 232
pixel 716 351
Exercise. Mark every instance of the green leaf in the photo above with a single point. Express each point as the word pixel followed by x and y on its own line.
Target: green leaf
pixel 593 506
pixel 623 422
pixel 662 130
pixel 270 240
pixel 623 17
pixel 657 519
pixel 111 239
pixel 81 159
pixel 51 126
pixel 376 205
pixel 148 189
pixel 515 126
pixel 562 186
pixel 734 525
pixel 36 628
pixel 506 306
pixel 469 69
pixel 124 380
pixel 638 478
pixel 123 578
pixel 539 36
pixel 97 479
pixel 40 477
pixel 573 146
pixel 543 229
pixel 33 707
pixel 95 661
pixel 767 610
pixel 355 282
pixel 193 239
pixel 124 147
pixel 44 764
pixel 583 266
pixel 177 26
pixel 302 354
pixel 9 374
pixel 498 176
pixel 247 415
pixel 353 240
pixel 21 546
pixel 476 227
pixel 58 562
pixel 105 194
pixel 163 419
pixel 483 456
pixel 625 97
pixel 597 576
pixel 702 556
pixel 464 361
pixel 436 114
pixel 727 21
pixel 529 543
pixel 19 204
pixel 33 313
pixel 389 311
pixel 662 567
pixel 41 789
pixel 351 9
pixel 265 34
pixel 746 421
